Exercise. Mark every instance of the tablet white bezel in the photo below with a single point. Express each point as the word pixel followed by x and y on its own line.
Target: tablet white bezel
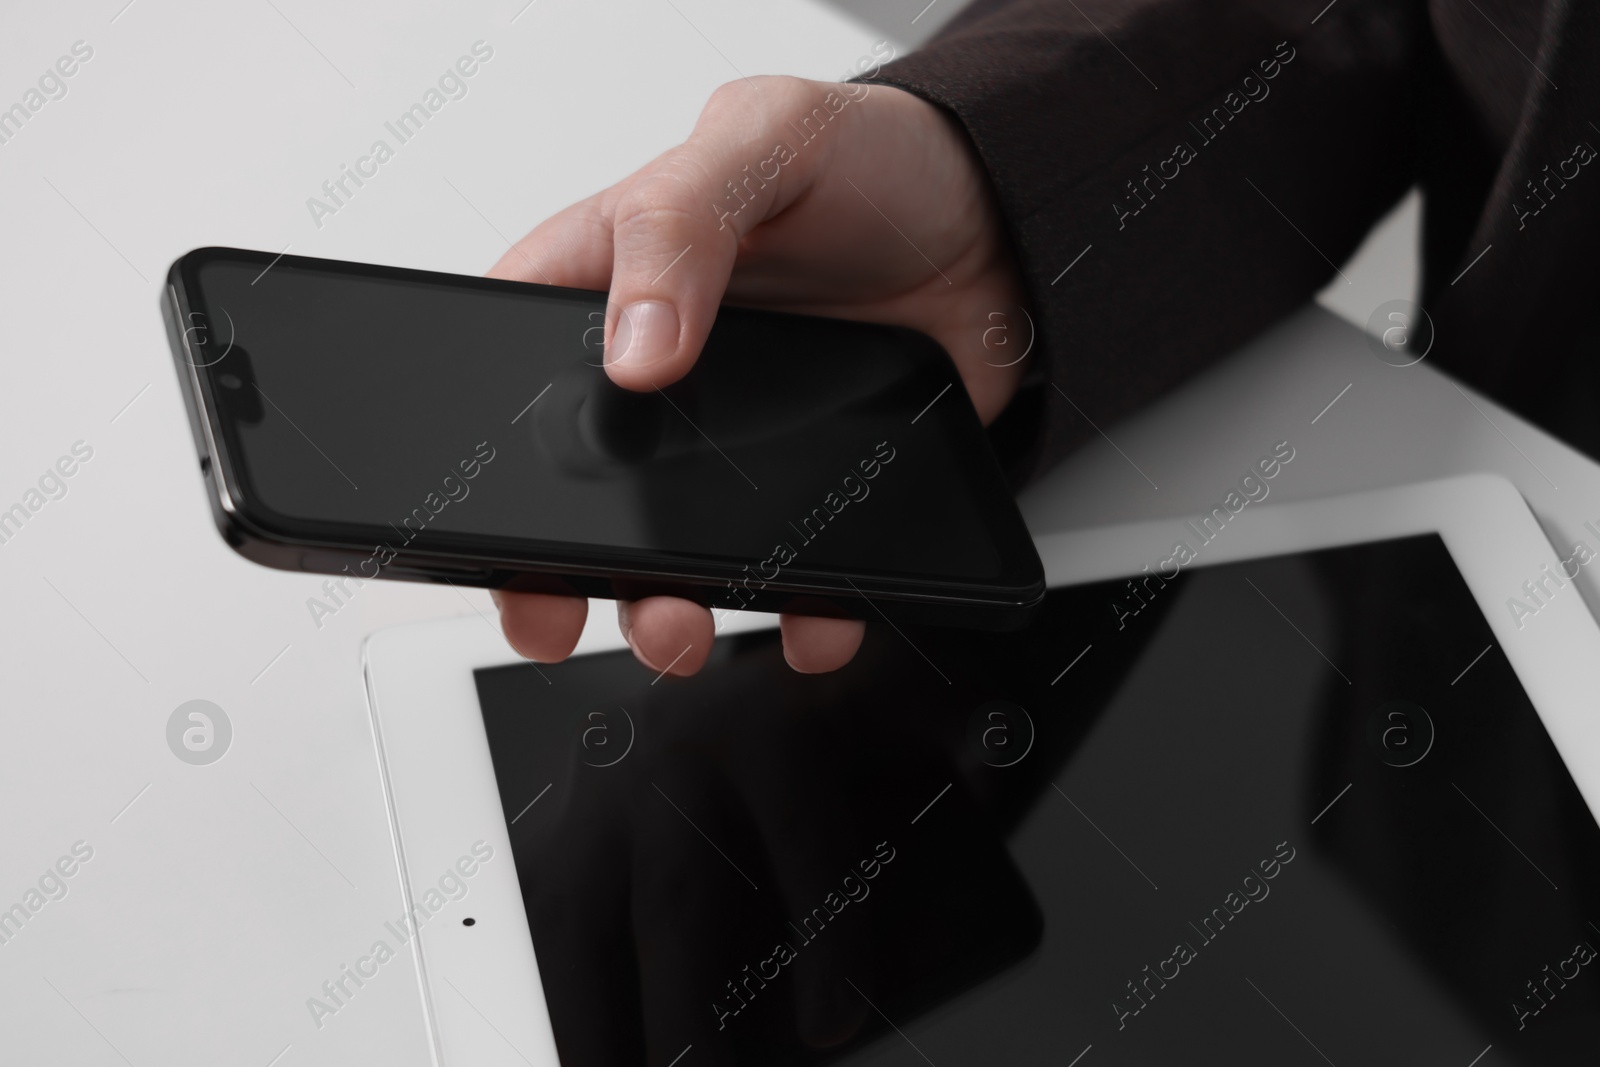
pixel 482 999
pixel 439 779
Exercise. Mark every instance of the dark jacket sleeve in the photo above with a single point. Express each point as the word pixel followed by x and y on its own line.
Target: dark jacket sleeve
pixel 1175 174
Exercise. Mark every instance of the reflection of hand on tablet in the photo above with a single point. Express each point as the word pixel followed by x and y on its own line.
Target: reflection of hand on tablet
pixel 752 838
pixel 669 256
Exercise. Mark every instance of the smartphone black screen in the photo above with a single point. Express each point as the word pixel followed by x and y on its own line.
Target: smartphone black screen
pixel 1297 810
pixel 442 414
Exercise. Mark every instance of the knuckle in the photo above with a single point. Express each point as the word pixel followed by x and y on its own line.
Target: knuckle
pixel 756 106
pixel 660 208
pixel 737 95
pixel 763 96
pixel 667 200
pixel 730 96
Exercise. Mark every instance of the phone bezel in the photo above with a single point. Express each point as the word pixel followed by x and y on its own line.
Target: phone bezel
pixel 562 567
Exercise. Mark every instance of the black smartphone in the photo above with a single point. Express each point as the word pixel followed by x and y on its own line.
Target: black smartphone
pixel 376 422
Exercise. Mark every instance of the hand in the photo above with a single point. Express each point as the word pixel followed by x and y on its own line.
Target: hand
pixel 884 215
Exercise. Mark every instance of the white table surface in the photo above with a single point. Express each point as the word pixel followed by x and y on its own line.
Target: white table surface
pixel 222 897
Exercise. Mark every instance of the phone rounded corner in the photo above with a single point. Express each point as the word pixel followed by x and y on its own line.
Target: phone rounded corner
pixel 198 257
pixel 1020 609
pixel 183 268
pixel 250 534
pixel 1027 584
pixel 237 532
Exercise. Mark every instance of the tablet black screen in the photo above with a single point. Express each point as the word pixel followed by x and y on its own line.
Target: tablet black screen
pixel 1294 811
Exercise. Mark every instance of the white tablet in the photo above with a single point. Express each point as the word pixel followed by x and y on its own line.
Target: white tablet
pixel 1316 784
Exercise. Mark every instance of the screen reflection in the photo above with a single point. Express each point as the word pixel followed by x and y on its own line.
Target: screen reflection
pixel 1266 819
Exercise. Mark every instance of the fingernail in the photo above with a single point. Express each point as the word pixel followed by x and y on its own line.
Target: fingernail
pixel 646 333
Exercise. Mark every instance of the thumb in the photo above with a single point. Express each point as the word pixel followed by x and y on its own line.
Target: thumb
pixel 677 224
